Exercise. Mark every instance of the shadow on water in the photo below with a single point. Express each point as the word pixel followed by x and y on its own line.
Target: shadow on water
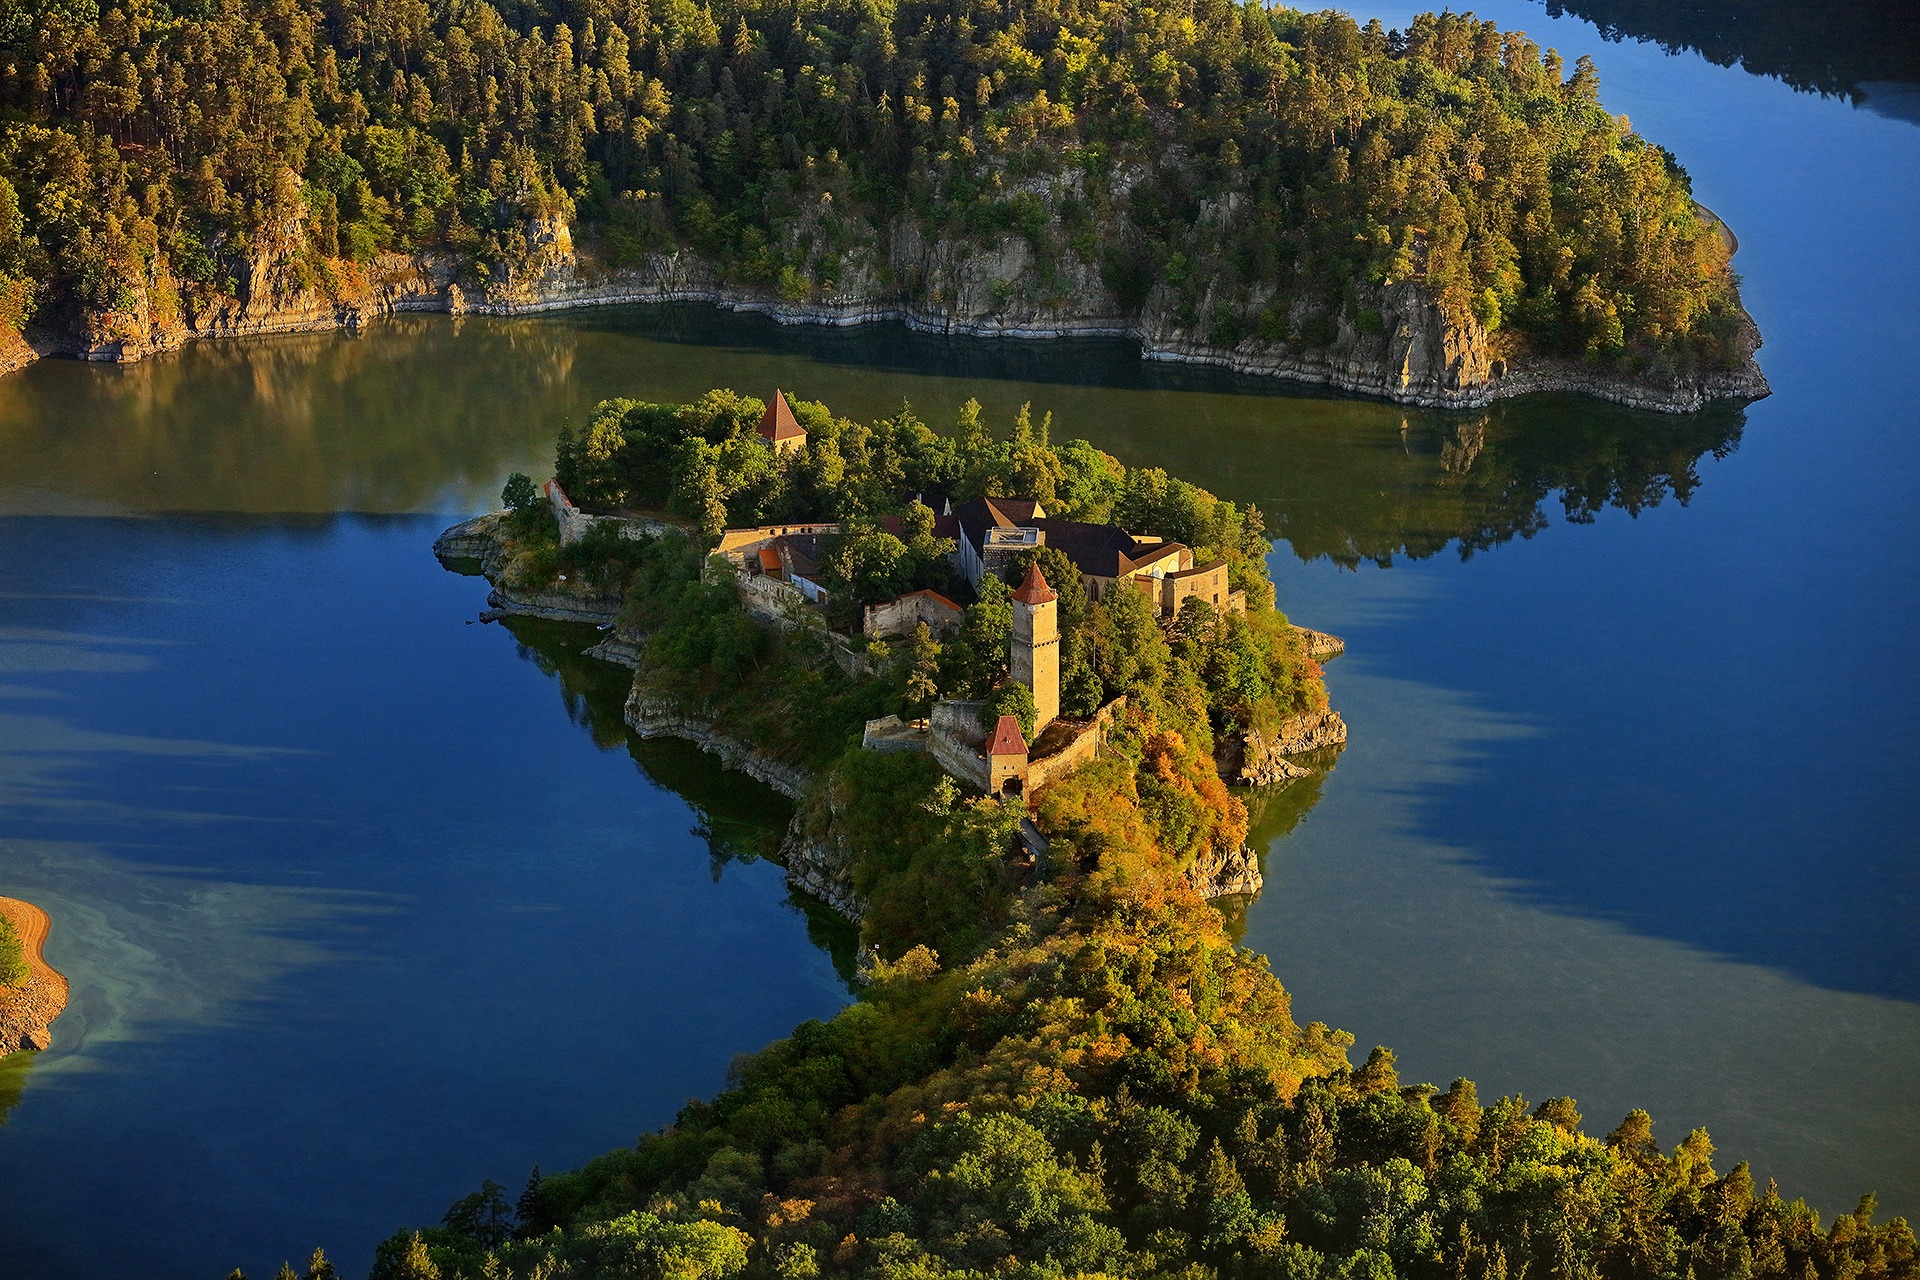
pixel 1843 48
pixel 890 346
pixel 739 819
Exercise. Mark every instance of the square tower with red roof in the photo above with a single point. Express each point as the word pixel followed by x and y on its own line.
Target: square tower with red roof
pixel 1035 660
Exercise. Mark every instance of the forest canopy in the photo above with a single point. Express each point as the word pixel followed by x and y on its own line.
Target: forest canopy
pixel 1250 173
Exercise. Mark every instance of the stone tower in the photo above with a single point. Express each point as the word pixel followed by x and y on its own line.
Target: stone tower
pixel 1036 646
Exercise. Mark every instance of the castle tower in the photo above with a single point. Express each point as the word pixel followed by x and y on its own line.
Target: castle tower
pixel 779 428
pixel 1036 646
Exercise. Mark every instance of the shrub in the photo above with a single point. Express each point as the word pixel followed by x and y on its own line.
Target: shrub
pixel 13 956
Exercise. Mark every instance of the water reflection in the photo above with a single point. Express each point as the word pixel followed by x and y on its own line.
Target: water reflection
pixel 1843 47
pixel 1383 916
pixel 429 413
pixel 1477 481
pixel 351 918
pixel 738 819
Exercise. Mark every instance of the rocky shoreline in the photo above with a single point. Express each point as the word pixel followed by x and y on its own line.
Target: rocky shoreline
pixel 1419 358
pixel 28 1010
pixel 817 866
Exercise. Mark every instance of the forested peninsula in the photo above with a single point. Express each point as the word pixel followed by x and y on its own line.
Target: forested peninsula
pixel 1441 216
pixel 1059 1066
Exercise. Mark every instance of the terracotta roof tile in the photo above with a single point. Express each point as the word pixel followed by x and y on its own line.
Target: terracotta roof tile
pixel 1034 590
pixel 1006 739
pixel 778 423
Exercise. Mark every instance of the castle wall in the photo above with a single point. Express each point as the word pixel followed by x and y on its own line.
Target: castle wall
pixel 899 617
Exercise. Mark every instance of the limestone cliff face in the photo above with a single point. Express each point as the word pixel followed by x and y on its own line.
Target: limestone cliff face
pixel 1260 759
pixel 998 287
pixel 1228 873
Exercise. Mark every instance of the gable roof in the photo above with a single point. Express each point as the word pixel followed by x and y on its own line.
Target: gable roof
pixel 778 422
pixel 1035 590
pixel 1006 739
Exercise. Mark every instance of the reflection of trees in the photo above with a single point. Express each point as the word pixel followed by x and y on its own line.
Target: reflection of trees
pixel 737 819
pixel 1831 48
pixel 13 1079
pixel 388 421
pixel 1483 481
pixel 1272 813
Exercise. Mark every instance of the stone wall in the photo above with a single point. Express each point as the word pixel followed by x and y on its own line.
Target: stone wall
pixel 576 524
pixel 900 616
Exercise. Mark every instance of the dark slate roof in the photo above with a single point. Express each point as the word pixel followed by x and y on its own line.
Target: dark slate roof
pixel 1102 550
pixel 801 551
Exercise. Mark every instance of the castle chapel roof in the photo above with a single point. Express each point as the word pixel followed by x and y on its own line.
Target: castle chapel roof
pixel 1034 590
pixel 778 423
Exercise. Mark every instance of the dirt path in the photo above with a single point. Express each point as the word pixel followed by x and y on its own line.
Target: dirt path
pixel 28 1010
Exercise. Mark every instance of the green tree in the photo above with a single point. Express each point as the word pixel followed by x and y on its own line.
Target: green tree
pixel 13 956
pixel 1011 698
pixel 519 493
pixel 922 671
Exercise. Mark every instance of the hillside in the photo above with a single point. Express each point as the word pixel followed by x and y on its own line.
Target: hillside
pixel 1441 216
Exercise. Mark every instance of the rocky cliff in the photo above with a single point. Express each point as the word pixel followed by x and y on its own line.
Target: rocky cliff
pixel 1260 759
pixel 1235 873
pixel 1404 349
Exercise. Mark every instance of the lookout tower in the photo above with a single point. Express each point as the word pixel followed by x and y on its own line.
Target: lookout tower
pixel 779 428
pixel 1035 660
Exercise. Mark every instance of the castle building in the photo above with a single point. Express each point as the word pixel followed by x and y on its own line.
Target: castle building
pixel 1035 657
pixel 989 533
pixel 779 428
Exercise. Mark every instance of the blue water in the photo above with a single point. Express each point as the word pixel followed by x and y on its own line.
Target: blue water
pixel 363 903
pixel 1694 727
pixel 355 914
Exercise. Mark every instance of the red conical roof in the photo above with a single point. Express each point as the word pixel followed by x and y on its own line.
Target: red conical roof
pixel 1006 739
pixel 778 422
pixel 1035 589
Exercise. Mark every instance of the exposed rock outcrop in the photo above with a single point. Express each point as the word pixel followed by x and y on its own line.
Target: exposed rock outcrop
pixel 28 1010
pixel 1225 874
pixel 652 718
pixel 1260 759
pixel 1319 645
pixel 556 604
pixel 1407 351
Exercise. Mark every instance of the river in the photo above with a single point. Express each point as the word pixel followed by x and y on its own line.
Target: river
pixel 364 901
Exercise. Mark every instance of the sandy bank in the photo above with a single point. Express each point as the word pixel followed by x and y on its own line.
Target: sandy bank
pixel 28 1010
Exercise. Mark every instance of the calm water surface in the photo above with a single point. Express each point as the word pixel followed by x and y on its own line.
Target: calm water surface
pixel 364 903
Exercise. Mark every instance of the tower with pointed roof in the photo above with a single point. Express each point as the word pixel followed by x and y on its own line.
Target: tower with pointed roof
pixel 1035 661
pixel 779 428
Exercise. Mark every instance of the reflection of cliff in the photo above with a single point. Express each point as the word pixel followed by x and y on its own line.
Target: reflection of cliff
pixel 1483 481
pixel 738 821
pixel 1830 48
pixel 1272 813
